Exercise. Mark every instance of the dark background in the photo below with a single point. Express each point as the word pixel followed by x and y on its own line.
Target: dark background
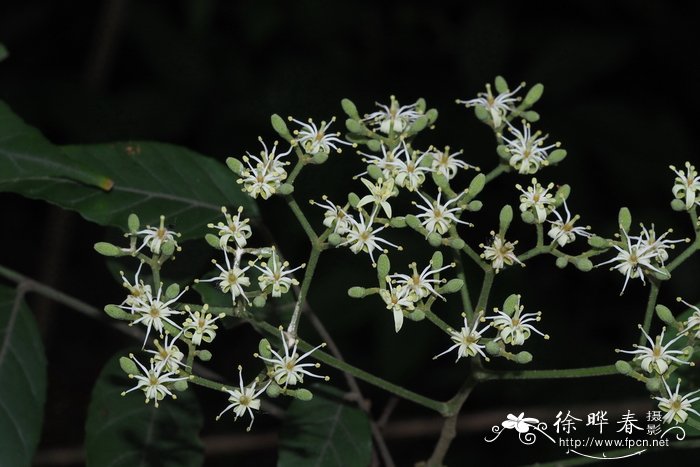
pixel 620 93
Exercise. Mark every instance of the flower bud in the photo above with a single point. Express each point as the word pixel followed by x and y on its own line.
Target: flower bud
pixel 556 156
pixel 319 158
pixel 500 84
pixel 624 219
pixel 481 113
pixel 413 222
pixel 180 385
pixel 435 240
pixel 420 105
pixel 264 348
pixel 303 394
pixel 523 357
pixel 286 189
pixel 357 292
pixel 475 205
pixel 678 205
pixel 665 314
pixel 502 151
pixel 128 366
pixel 419 124
pixel 334 239
pixel 168 248
pixel 374 145
pixel 416 315
pixel 510 303
pixel 349 109
pixel 504 219
pixel 383 267
pixel 562 194
pixel 476 185
pixel 437 260
pixel 531 116
pixel 527 217
pixel 432 115
pixel 441 181
pixel 212 240
pixel 583 264
pixel 653 385
pixel 492 348
pixel 203 355
pixel 113 311
pixel 375 172
pixel 354 126
pixel 279 125
pixel 172 291
pixel 453 286
pixel 235 165
pixel 663 275
pixel 398 222
pixel 534 94
pixel 353 199
pixel 456 243
pixel 107 249
pixel 260 301
pixel 133 223
pixel 561 262
pixel 598 243
pixel 273 390
pixel 623 367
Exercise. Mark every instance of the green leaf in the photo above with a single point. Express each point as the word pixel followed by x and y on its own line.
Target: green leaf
pixel 22 381
pixel 123 431
pixel 324 431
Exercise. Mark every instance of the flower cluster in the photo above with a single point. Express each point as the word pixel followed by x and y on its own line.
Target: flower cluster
pixel 500 252
pixel 393 118
pixel 527 150
pixel 498 107
pixel 264 175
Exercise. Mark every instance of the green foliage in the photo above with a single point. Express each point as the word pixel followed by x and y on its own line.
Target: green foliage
pixel 325 431
pixel 22 382
pixel 124 431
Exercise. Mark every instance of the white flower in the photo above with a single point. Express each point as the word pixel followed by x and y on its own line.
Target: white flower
pixel 515 329
pixel 334 216
pixel 422 284
pixel 447 164
pixel 677 406
pixel 287 369
pixel 362 237
pixel 393 118
pixel 155 237
pixel 438 217
pixel 153 382
pixel 275 274
pixel 536 199
pixel 379 194
pixel 387 162
pixel 634 260
pixel 500 252
pixel 686 185
pixel 137 290
pixel 167 356
pixel 521 423
pixel 659 245
pixel 564 231
pixel 235 229
pixel 498 106
pixel 397 300
pixel 693 322
pixel 199 326
pixel 658 357
pixel 231 278
pixel 466 340
pixel 527 150
pixel 409 173
pixel 154 312
pixel 317 139
pixel 265 176
pixel 244 399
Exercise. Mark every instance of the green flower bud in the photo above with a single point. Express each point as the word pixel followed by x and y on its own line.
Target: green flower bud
pixel 303 394
pixel 481 112
pixel 279 125
pixel 357 292
pixel 168 248
pixel 527 217
pixel 505 218
pixel 432 115
pixel 665 314
pixel 413 222
pixel 172 291
pixel 107 249
pixel 624 219
pixel 664 275
pixel 374 145
pixel 501 84
pixel 419 124
pixel 260 301
pixel 319 158
pixel 556 156
pixel 113 311
pixel 133 223
pixel 286 189
pixel 510 303
pixel 203 355
pixel 456 243
pixel 212 240
pixel 375 172
pixel 437 260
pixel 235 165
pixel 598 243
pixel 349 108
pixel 420 105
pixel 492 348
pixel 354 126
pixel 180 385
pixel 678 205
pixel 383 267
pixel 441 181
pixel 353 199
pixel 264 348
pixel 561 262
pixel 583 264
pixel 398 222
pixel 503 152
pixel 416 315
pixel 273 390
pixel 128 366
pixel 334 239
pixel 475 205
pixel 434 240
pixel 654 385
pixel 523 357
pixel 562 194
pixel 534 94
pixel 453 286
pixel 531 116
pixel 623 367
pixel 476 185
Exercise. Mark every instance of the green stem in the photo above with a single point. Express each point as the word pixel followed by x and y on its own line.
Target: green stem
pixel 540 235
pixel 692 248
pixel 651 304
pixel 485 290
pixel 475 257
pixel 433 318
pixel 291 202
pixel 295 171
pixel 496 172
pixel 484 374
pixel 304 289
pixel 464 291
